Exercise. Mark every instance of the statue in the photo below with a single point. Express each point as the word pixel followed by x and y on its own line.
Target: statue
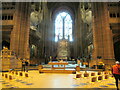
pixel 86 15
pixel 35 17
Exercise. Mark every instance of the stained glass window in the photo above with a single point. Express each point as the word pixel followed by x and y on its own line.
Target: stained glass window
pixel 63 27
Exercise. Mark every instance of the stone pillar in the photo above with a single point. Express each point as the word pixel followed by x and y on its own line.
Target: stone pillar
pixel 102 35
pixel 20 33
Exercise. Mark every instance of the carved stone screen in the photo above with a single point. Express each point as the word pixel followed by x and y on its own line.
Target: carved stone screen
pixel 63 50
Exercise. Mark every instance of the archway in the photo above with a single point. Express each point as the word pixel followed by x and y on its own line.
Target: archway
pixel 117 50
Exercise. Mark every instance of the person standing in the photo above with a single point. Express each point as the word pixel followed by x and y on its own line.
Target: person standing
pixel 78 62
pixel 116 72
pixel 23 65
pixel 26 65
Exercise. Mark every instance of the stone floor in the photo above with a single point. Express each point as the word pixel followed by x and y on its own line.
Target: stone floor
pixel 52 80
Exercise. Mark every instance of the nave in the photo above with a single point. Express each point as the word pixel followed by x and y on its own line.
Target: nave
pixel 34 79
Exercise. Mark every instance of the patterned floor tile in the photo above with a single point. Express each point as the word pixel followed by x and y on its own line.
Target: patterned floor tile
pixel 5 83
pixel 29 84
pixel 83 83
pixel 18 80
pixel 75 85
pixel 14 87
pixel 8 85
pixel 23 82
pixel 103 86
pixel 110 84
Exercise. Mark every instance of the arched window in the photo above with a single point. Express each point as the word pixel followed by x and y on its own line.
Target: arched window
pixel 63 27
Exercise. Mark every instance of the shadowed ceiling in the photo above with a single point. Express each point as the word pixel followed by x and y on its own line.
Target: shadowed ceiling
pixel 53 6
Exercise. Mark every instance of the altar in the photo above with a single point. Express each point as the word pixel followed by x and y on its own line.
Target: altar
pixel 59 65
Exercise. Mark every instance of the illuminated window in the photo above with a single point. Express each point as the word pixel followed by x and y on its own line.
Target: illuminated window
pixel 63 27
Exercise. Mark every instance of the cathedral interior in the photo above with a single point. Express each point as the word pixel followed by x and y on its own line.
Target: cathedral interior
pixel 43 32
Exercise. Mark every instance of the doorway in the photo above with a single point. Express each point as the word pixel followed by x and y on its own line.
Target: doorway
pixel 117 50
pixel 5 44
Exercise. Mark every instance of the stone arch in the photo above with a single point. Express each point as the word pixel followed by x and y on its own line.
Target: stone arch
pixel 62 9
pixel 117 50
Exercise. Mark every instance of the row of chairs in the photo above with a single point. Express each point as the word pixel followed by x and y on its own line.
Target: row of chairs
pixel 19 73
pixel 86 74
pixel 97 78
pixel 93 77
pixel 11 74
pixel 7 76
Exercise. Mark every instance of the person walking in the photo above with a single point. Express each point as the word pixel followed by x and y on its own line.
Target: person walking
pixel 116 73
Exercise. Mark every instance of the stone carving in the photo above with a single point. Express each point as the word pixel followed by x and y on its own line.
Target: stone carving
pixel 34 20
pixel 86 14
pixel 35 17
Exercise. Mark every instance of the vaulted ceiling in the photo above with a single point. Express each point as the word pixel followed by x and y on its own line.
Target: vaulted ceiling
pixel 53 6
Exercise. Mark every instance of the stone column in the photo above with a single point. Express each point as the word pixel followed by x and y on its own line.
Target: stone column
pixel 102 35
pixel 20 33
